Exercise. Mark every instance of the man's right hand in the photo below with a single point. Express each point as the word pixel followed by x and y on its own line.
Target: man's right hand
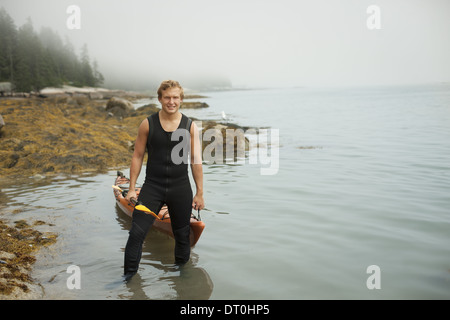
pixel 131 194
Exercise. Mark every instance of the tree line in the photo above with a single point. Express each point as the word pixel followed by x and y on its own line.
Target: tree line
pixel 32 61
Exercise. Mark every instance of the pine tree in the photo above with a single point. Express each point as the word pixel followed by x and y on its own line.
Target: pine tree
pixel 54 51
pixel 86 75
pixel 32 61
pixel 69 63
pixel 8 43
pixel 97 75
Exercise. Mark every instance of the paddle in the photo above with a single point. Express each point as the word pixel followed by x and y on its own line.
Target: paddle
pixel 143 208
pixel 140 206
pixel 117 188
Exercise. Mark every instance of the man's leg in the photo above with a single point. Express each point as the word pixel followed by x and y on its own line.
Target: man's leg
pixel 180 209
pixel 133 249
pixel 140 226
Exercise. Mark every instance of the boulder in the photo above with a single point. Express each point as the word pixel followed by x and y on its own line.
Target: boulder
pixel 123 104
pixel 194 105
pixel 119 107
pixel 95 95
pixel 2 122
pixel 6 88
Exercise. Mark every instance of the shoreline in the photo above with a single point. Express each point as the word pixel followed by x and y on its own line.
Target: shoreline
pixel 19 243
pixel 60 135
pixel 52 135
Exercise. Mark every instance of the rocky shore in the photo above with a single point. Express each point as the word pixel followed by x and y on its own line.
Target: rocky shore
pixel 55 134
pixel 69 134
pixel 18 243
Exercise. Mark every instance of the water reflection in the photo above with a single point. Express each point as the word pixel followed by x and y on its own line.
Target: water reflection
pixel 158 277
pixel 186 283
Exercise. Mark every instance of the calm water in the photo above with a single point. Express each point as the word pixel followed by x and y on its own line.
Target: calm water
pixel 363 179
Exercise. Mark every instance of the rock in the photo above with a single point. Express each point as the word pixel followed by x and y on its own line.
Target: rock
pixel 51 91
pixel 194 96
pixel 7 256
pixel 230 138
pixel 95 96
pixel 119 107
pixel 21 94
pixel 130 145
pixel 147 109
pixel 119 102
pixel 6 88
pixel 194 105
pixel 2 122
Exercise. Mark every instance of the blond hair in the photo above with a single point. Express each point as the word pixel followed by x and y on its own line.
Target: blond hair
pixel 166 84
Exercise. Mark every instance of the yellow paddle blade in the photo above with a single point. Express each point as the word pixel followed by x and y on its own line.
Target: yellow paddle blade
pixel 140 207
pixel 118 188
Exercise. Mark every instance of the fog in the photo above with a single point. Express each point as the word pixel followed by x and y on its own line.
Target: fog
pixel 254 43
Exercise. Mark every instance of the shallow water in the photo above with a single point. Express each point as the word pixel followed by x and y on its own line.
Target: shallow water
pixel 363 179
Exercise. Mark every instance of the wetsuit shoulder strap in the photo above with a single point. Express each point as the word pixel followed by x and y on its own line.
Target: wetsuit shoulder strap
pixel 150 126
pixel 188 123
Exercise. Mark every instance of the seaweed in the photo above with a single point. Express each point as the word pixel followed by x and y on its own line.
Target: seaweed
pixel 18 244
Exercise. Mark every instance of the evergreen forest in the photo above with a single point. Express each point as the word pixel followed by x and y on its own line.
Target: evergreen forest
pixel 32 60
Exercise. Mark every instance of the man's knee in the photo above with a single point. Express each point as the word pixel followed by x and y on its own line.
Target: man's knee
pixel 137 233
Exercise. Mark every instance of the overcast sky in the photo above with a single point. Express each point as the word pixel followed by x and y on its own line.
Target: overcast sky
pixel 256 43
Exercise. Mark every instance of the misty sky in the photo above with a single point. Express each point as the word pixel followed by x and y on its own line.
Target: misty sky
pixel 256 43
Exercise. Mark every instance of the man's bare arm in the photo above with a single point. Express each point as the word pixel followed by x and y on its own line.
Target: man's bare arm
pixel 198 202
pixel 138 157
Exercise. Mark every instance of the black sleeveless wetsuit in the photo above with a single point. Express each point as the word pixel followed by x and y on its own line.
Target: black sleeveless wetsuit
pixel 166 182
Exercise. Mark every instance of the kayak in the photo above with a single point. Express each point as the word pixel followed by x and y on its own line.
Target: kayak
pixel 162 224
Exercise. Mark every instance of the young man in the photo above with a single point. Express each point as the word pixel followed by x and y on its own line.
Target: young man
pixel 166 180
